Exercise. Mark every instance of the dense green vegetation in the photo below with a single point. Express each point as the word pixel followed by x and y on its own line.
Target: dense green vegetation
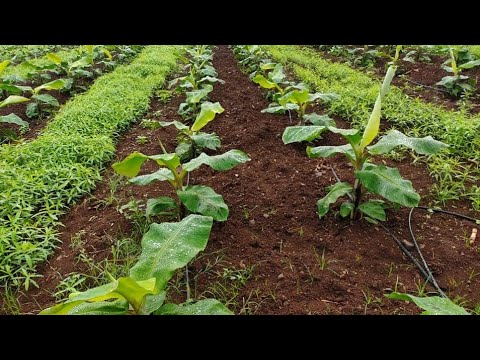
pixel 41 178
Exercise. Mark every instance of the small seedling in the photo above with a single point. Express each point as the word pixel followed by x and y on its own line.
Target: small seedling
pixel 141 140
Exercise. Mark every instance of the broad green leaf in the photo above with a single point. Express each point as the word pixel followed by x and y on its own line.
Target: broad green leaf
pixel 470 64
pixel 15 89
pixel 177 124
pixel 277 75
pixel 89 48
pixel 280 109
pixel 324 97
pixel 131 165
pixel 388 182
pixel 167 247
pixel 171 161
pixel 13 119
pixel 433 305
pixel 107 54
pixel 202 307
pixel 116 307
pixel 135 292
pixel 319 120
pixel 351 135
pixel 346 209
pixel 184 150
pixel 334 192
pixel 211 79
pixel 327 151
pixel 373 209
pixel 425 146
pixel 207 140
pixel 264 83
pixel 209 71
pixel 194 97
pixel 54 58
pixel 160 206
pixel 52 85
pixel 162 174
pixel 13 99
pixel 84 61
pixel 301 133
pixel 373 125
pixel 222 162
pixel 32 110
pixel 204 200
pixel 3 65
pixel 268 66
pixel 152 303
pixel 296 96
pixel 46 99
pixel 207 113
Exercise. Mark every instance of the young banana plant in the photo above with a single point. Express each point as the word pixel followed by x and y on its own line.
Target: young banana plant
pixel 201 72
pixel 193 101
pixel 194 198
pixel 377 179
pixel 13 118
pixel 166 247
pixel 292 96
pixel 44 102
pixel 8 85
pixel 191 140
pixel 458 84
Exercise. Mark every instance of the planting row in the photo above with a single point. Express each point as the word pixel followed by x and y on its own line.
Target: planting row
pixel 41 178
pixel 169 246
pixel 71 75
pixel 369 178
pixel 456 172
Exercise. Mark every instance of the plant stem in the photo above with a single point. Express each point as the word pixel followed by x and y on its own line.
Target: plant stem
pixel 162 147
pixel 301 112
pixel 357 197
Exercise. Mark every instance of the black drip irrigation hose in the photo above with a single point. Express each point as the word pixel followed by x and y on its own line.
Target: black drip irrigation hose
pixel 424 270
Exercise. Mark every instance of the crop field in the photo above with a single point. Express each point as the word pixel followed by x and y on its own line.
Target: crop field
pixel 239 179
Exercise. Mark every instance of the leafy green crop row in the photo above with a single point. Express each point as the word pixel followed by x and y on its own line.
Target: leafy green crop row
pixel 358 92
pixel 40 179
pixel 23 69
pixel 19 53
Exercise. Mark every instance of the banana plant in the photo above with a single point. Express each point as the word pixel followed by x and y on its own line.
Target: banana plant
pixel 13 118
pixel 193 101
pixel 7 85
pixel 194 198
pixel 286 94
pixel 458 84
pixel 377 179
pixel 191 140
pixel 201 72
pixel 44 102
pixel 301 99
pixel 166 248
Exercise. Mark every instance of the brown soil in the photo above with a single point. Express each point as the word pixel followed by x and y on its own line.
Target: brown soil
pixel 411 75
pixel 273 224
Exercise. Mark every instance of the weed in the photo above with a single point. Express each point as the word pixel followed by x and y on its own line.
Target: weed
pixel 321 260
pixel 141 140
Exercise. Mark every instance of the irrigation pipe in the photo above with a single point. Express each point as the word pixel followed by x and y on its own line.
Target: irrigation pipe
pixel 425 271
